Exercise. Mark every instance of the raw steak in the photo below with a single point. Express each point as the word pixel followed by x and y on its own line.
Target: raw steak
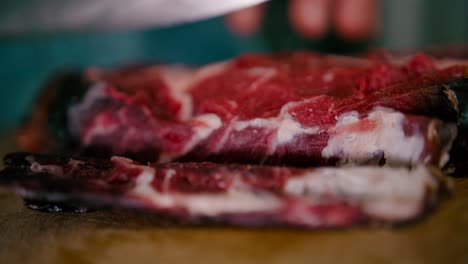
pixel 300 109
pixel 234 194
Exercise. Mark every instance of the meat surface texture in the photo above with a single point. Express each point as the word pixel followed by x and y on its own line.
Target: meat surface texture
pixel 244 195
pixel 298 109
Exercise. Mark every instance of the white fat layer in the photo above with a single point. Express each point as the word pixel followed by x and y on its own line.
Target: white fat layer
pixel 205 124
pixel 381 192
pixel 256 122
pixel 387 136
pixel 284 125
pixel 180 79
pixel 238 199
pixel 77 111
pixel 289 128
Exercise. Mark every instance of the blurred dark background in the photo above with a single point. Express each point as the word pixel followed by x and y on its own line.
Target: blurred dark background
pixel 27 61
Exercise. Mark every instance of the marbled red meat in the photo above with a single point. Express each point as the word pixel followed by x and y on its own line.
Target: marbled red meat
pixel 236 194
pixel 299 109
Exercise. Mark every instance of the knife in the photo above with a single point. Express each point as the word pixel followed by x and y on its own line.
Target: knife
pixel 26 16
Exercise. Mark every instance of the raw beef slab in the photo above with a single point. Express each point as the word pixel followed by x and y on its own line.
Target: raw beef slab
pixel 243 195
pixel 300 109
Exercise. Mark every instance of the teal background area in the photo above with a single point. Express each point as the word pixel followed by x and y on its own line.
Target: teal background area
pixel 26 62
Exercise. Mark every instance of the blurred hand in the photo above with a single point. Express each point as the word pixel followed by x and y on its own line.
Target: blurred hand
pixel 352 19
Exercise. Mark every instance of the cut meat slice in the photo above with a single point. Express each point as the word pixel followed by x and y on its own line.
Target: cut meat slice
pixel 258 86
pixel 314 131
pixel 233 194
pixel 299 109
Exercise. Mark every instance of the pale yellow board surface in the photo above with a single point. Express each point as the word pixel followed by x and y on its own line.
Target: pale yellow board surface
pixel 123 237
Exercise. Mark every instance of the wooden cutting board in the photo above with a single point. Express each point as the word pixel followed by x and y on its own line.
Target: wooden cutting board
pixel 27 236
